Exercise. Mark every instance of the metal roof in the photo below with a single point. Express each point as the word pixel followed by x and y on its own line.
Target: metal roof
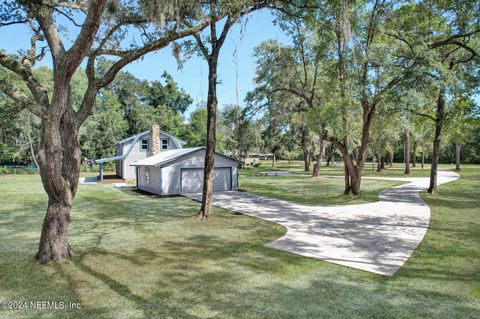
pixel 178 142
pixel 109 159
pixel 165 157
pixel 118 157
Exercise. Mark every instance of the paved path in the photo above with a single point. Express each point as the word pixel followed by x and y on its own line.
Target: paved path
pixel 376 237
pixel 90 180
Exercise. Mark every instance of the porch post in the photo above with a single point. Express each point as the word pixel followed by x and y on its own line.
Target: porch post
pixel 101 171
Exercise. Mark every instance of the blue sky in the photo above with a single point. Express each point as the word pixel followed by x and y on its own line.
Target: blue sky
pixel 193 76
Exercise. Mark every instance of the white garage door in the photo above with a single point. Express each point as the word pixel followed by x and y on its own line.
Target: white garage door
pixel 192 180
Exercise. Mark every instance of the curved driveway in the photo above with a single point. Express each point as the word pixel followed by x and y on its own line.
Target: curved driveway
pixel 376 237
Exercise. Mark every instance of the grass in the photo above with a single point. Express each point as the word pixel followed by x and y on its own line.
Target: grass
pixel 298 187
pixel 145 257
pixel 310 191
pixel 337 169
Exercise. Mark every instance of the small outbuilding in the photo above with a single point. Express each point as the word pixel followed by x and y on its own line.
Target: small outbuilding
pixel 180 171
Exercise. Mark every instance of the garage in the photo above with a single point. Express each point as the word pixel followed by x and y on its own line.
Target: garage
pixel 180 171
pixel 192 180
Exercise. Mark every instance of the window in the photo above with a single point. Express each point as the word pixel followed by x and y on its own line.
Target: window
pixel 164 144
pixel 147 175
pixel 144 144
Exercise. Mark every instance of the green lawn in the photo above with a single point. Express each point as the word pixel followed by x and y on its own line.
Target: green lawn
pixel 138 256
pixel 303 189
pixel 310 191
pixel 336 169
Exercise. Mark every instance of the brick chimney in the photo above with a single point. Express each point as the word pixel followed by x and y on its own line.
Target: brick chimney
pixel 154 139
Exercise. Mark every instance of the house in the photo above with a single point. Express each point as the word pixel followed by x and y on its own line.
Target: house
pixel 180 171
pixel 138 147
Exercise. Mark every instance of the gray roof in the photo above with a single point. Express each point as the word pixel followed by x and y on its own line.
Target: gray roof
pixel 165 157
pixel 119 157
pixel 178 142
pixel 109 159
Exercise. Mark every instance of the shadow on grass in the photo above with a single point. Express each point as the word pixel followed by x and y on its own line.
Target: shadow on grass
pixel 147 257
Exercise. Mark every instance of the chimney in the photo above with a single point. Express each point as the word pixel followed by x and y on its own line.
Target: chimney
pixel 154 139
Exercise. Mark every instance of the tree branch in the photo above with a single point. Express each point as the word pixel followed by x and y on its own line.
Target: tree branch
pixel 44 17
pixel 422 114
pixel 74 56
pixel 4 24
pixel 88 101
pixel 20 99
pixel 393 83
pixel 39 93
pixel 201 46
pixel 399 36
pixel 129 56
pixel 228 24
pixel 291 91
pixel 454 42
pixel 452 38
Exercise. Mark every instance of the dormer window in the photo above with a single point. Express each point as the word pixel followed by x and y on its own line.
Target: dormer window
pixel 144 144
pixel 164 144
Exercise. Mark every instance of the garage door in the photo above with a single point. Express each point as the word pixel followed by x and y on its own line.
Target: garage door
pixel 192 180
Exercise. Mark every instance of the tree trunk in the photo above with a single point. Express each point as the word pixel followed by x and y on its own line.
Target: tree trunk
pixel 355 175
pixel 391 158
pixel 54 239
pixel 423 148
pixel 342 74
pixel 59 160
pixel 414 162
pixel 316 168
pixel 306 151
pixel 346 190
pixel 436 140
pixel 457 156
pixel 30 142
pixel 355 181
pixel 407 152
pixel 353 171
pixel 330 154
pixel 307 160
pixel 207 196
pixel 379 163
pixel 382 162
pixel 273 160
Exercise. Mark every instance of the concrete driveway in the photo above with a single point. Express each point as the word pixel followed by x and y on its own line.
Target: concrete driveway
pixel 376 237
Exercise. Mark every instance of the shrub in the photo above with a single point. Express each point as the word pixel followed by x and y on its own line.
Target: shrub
pixel 31 171
pixel 5 170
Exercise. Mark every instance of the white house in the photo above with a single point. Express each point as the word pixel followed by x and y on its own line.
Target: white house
pixel 138 147
pixel 181 171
